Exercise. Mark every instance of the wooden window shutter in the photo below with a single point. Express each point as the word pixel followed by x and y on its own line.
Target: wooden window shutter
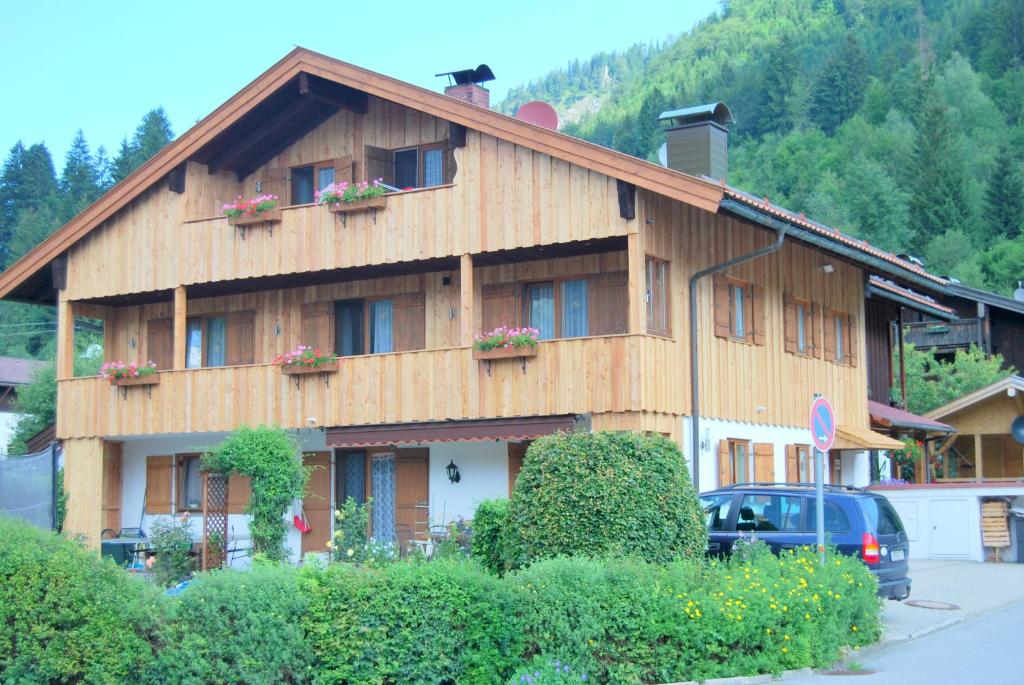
pixel 608 303
pixel 851 340
pixel 790 326
pixel 408 327
pixel 317 326
pixel 497 305
pixel 241 338
pixel 239 493
pixel 756 309
pixel 764 462
pixel 830 334
pixel 160 343
pixel 274 181
pixel 723 325
pixel 380 163
pixel 725 474
pixel 344 169
pixel 449 166
pixel 792 464
pixel 815 327
pixel 158 484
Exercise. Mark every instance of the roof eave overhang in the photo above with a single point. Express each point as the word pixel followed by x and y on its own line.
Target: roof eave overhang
pixel 873 263
pixel 884 294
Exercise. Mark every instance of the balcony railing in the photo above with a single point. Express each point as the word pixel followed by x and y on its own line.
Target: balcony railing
pixel 943 335
pixel 599 374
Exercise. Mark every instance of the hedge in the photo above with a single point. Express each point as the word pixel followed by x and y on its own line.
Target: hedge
pixel 604 494
pixel 65 616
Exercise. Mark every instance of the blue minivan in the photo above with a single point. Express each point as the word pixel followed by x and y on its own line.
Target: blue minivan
pixel 859 523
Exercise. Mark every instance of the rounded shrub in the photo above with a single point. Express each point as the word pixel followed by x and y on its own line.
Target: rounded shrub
pixel 490 520
pixel 236 627
pixel 432 622
pixel 605 494
pixel 66 616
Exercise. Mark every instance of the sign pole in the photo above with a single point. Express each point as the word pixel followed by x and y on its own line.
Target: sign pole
pixel 819 499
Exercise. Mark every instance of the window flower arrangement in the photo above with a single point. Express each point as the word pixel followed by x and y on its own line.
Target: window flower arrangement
pixel 343 191
pixel 507 338
pixel 253 207
pixel 120 373
pixel 306 359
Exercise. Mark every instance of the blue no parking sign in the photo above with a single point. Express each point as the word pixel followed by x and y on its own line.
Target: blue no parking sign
pixel 823 424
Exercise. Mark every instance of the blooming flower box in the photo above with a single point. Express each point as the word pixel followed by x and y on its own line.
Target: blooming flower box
pixel 372 203
pixel 505 353
pixel 302 370
pixel 152 379
pixel 257 210
pixel 271 216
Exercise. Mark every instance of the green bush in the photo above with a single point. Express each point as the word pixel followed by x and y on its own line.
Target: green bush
pixel 236 627
pixel 490 520
pixel 172 543
pixel 605 494
pixel 67 616
pixel 429 623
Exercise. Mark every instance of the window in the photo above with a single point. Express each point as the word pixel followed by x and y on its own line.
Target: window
pixel 377 326
pixel 882 518
pixel 836 520
pixel 381 319
pixel 739 310
pixel 574 309
pixel 189 483
pixel 799 320
pixel 840 337
pixel 418 167
pixel 206 342
pixel 770 513
pixel 657 296
pixel 307 180
pixel 350 472
pixel 799 464
pixel 348 322
pixel 716 509
pixel 539 308
pixel 735 462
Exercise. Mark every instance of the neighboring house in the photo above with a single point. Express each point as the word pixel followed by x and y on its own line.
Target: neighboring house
pixel 14 373
pixel 505 223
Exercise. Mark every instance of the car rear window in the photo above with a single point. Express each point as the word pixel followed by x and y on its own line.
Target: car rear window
pixel 836 520
pixel 882 518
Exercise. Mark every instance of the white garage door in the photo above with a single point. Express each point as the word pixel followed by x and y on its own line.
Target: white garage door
pixel 950 536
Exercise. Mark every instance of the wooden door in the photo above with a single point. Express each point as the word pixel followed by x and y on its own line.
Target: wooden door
pixel 317 503
pixel 112 469
pixel 411 493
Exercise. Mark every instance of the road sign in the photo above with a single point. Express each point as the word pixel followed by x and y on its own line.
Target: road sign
pixel 823 424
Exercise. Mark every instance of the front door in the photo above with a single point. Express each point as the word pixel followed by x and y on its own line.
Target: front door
pixel 411 486
pixel 317 503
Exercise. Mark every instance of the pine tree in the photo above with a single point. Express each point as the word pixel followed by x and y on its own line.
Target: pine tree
pixel 103 165
pixel 1004 197
pixel 937 203
pixel 779 80
pixel 124 162
pixel 27 182
pixel 152 134
pixel 79 182
pixel 840 87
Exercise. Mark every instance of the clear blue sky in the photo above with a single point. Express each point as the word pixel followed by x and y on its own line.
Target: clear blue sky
pixel 100 66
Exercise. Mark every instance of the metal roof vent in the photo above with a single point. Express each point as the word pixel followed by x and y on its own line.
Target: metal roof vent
pixel 697 141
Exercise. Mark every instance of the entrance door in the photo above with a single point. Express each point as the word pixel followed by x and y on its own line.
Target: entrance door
pixel 317 503
pixel 112 470
pixel 950 528
pixel 411 489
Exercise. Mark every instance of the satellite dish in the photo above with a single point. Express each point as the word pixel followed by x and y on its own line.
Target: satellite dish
pixel 538 113
pixel 663 154
pixel 1017 429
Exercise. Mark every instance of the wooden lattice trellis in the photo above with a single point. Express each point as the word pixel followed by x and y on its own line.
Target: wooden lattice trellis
pixel 215 519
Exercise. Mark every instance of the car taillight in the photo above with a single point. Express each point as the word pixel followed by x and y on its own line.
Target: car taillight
pixel 869 549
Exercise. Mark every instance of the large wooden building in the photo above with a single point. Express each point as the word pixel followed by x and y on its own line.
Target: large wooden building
pixel 499 222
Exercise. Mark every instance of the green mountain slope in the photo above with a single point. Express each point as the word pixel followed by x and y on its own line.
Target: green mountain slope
pixel 899 121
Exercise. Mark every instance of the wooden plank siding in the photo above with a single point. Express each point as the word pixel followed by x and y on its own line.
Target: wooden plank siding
pixel 619 373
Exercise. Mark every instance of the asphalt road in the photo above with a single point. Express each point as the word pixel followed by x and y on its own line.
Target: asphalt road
pixel 984 650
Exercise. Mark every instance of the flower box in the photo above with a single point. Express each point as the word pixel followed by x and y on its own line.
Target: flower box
pixel 302 370
pixel 271 216
pixel 370 203
pixel 505 353
pixel 151 379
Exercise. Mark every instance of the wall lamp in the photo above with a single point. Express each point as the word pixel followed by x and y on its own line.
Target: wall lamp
pixel 453 472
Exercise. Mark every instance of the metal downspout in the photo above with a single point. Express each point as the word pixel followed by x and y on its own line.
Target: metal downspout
pixel 780 236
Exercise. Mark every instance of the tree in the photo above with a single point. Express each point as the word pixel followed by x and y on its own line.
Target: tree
pixel 840 86
pixel 27 182
pixel 1003 265
pixel 781 73
pixel 150 137
pixel 1004 197
pixel 79 181
pixel 932 382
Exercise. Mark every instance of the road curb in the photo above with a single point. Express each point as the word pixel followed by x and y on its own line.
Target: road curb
pixel 751 679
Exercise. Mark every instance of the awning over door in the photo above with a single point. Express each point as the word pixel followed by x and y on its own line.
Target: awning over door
pixel 854 438
pixel 521 428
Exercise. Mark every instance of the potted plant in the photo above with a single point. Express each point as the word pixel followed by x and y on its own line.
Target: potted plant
pixel 346 198
pixel 120 374
pixel 306 360
pixel 258 210
pixel 506 343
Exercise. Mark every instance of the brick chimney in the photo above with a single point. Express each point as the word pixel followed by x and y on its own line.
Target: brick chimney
pixel 697 141
pixel 470 92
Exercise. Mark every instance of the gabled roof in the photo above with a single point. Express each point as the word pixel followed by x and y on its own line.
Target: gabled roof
pixel 894 417
pixel 667 182
pixel 989 298
pixel 1014 383
pixel 908 298
pixel 18 371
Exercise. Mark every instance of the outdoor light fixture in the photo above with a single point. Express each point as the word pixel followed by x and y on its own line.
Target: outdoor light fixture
pixel 827 267
pixel 453 472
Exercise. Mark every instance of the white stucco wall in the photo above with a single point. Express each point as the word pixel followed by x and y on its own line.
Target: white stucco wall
pixel 133 491
pixel 484 470
pixel 8 422
pixel 856 466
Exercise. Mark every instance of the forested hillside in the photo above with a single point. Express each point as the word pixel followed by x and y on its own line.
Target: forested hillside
pixel 896 120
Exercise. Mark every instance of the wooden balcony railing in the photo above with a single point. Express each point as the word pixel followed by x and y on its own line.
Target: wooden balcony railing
pixel 600 374
pixel 943 335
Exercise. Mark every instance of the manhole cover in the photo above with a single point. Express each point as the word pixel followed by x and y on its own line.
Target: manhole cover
pixel 931 604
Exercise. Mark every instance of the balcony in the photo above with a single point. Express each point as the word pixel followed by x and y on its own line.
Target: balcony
pixel 612 373
pixel 944 336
